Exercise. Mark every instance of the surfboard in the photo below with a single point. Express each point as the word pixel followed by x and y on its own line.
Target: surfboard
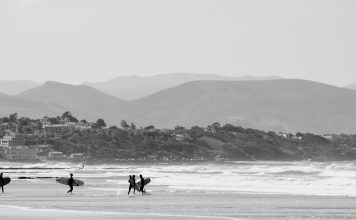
pixel 65 181
pixel 138 184
pixel 7 180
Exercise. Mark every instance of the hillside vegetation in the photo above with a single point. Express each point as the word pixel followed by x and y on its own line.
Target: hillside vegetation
pixel 226 143
pixel 214 142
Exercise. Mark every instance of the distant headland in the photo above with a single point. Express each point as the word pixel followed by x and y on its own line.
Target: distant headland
pixel 65 138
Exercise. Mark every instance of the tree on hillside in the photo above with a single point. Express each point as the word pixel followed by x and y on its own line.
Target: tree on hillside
pixel 13 118
pixel 177 128
pixel 149 127
pixel 133 126
pixel 114 128
pixel 69 117
pixel 196 131
pixel 124 124
pixel 228 127
pixel 216 125
pixel 54 120
pixel 66 114
pixel 23 122
pixel 100 123
pixel 83 121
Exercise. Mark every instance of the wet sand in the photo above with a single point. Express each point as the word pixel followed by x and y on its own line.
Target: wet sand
pixel 44 199
pixel 18 213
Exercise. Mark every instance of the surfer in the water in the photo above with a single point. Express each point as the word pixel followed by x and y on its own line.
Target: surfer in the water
pixel 70 183
pixel 142 184
pixel 2 182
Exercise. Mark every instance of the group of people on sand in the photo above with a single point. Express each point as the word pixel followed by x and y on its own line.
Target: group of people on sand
pixel 71 183
pixel 132 184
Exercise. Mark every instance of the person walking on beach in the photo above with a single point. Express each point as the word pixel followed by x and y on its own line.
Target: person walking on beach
pixel 70 183
pixel 2 182
pixel 132 184
pixel 142 184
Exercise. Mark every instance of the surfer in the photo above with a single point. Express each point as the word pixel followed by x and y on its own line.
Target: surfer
pixel 132 184
pixel 142 184
pixel 70 183
pixel 2 182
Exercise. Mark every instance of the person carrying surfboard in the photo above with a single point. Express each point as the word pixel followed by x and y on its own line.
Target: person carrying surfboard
pixel 142 184
pixel 2 182
pixel 70 183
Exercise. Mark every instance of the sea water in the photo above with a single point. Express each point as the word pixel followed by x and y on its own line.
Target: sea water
pixel 296 178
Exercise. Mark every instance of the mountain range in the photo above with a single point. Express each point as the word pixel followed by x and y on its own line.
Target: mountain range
pixel 11 104
pixel 132 87
pixel 135 87
pixel 278 104
pixel 81 100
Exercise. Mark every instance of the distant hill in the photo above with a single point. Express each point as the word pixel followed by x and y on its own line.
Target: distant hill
pixel 81 100
pixel 351 86
pixel 276 105
pixel 134 87
pixel 10 104
pixel 16 86
pixel 279 105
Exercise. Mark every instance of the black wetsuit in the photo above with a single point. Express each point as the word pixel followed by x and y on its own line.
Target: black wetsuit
pixel 142 184
pixel 70 183
pixel 130 186
pixel 2 183
pixel 132 182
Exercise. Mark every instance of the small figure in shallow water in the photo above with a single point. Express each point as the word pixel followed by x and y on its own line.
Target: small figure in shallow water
pixel 70 183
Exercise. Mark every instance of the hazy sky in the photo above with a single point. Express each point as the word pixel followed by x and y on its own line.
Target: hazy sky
pixel 85 40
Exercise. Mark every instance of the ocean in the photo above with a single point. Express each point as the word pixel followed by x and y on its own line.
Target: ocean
pixel 297 178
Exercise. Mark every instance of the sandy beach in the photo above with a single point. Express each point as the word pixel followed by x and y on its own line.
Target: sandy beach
pixel 44 199
pixel 48 200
